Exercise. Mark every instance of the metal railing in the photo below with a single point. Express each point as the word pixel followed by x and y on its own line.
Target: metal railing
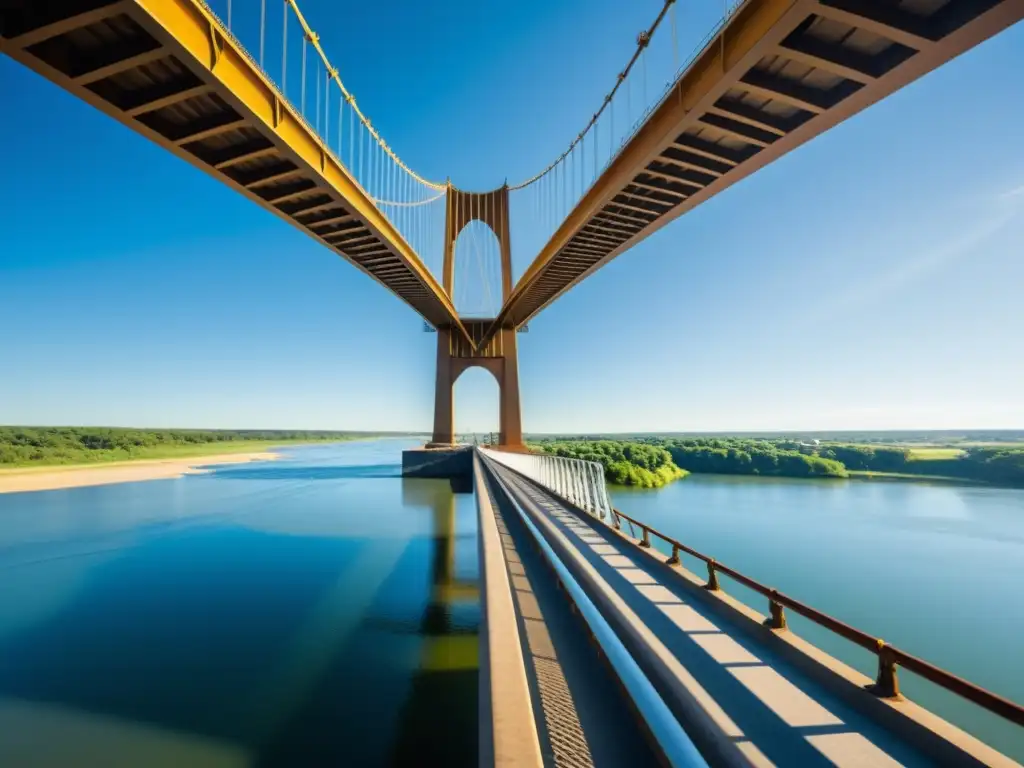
pixel 889 657
pixel 578 481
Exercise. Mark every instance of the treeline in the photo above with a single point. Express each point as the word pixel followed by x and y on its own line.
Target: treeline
pixel 67 445
pixel 786 457
pixel 636 464
pixel 736 456
pixel 999 465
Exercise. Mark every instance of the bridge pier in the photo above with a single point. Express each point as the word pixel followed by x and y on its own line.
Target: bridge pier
pixel 499 357
pixel 454 352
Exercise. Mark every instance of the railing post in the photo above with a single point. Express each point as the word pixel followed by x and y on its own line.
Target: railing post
pixel 778 619
pixel 616 523
pixel 595 489
pixel 604 490
pixel 712 585
pixel 887 684
pixel 674 560
pixel 646 540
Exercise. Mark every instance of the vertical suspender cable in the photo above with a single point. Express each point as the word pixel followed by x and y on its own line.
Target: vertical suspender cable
pixel 374 161
pixel 263 29
pixel 629 105
pixel 362 155
pixel 721 35
pixel 229 15
pixel 643 63
pixel 302 102
pixel 284 52
pixel 611 132
pixel 351 137
pixel 583 162
pixel 570 178
pixel 675 40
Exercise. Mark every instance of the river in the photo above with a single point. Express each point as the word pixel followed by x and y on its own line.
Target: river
pixel 322 610
pixel 935 569
pixel 318 610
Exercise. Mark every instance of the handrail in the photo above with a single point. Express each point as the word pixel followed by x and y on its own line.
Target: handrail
pixel 669 736
pixel 886 683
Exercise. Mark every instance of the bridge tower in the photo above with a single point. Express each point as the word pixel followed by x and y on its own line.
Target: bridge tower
pixel 454 353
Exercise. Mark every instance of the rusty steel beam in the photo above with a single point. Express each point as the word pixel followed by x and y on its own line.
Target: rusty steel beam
pixel 69 24
pixel 188 32
pixel 760 28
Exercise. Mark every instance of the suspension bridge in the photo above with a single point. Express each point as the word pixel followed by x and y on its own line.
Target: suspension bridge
pixel 245 91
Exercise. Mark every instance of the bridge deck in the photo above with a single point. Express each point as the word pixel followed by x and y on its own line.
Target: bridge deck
pixel 741 701
pixel 582 720
pixel 172 72
pixel 778 74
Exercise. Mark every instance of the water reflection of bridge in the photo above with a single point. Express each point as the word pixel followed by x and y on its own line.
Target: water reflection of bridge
pixel 443 695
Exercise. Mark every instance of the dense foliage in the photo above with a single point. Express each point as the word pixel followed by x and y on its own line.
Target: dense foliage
pixel 789 457
pixel 735 456
pixel 643 466
pixel 68 445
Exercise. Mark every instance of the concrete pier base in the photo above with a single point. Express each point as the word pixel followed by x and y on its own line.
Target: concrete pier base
pixel 453 462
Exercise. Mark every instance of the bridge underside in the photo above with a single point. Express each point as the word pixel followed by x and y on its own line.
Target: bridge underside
pixel 780 73
pixel 168 70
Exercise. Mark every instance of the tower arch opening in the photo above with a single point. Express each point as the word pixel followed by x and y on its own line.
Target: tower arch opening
pixel 477 221
pixel 476 287
pixel 477 397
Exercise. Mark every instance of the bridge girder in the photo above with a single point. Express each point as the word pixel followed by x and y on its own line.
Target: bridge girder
pixel 778 74
pixel 170 71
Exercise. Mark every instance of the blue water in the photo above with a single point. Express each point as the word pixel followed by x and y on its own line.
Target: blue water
pixel 322 610
pixel 934 569
pixel 289 613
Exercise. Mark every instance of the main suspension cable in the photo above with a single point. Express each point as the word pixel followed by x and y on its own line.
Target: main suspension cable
pixel 643 39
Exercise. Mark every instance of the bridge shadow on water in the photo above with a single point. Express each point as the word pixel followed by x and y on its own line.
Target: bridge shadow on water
pixel 225 646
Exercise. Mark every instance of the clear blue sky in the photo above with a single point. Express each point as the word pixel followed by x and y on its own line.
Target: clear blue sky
pixel 871 279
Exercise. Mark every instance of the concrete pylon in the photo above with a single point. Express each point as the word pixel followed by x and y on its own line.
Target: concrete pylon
pixel 454 353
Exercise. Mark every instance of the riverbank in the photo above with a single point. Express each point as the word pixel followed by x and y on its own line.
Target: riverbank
pixel 49 478
pixel 907 477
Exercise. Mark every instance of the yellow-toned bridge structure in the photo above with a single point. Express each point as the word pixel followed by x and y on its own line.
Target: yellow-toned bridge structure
pixel 597 644
pixel 171 71
pixel 779 73
pixel 775 74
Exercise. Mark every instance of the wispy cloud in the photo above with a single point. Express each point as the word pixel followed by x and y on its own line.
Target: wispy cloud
pixel 1000 211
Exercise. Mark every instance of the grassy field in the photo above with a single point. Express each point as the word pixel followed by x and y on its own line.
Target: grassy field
pixel 170 452
pixel 935 452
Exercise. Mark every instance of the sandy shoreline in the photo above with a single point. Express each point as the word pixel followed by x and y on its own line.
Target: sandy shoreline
pixel 76 476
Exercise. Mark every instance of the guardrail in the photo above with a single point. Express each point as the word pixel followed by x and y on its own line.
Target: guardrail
pixel 578 481
pixel 889 657
pixel 670 737
pixel 582 484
